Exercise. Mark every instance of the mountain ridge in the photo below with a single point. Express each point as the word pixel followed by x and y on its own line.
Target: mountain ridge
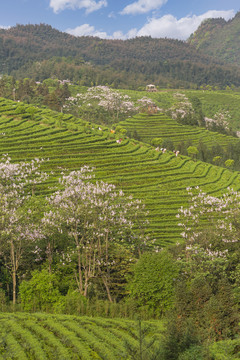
pixel 219 38
pixel 159 60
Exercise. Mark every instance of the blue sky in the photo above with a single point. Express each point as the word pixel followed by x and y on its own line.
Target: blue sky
pixel 118 19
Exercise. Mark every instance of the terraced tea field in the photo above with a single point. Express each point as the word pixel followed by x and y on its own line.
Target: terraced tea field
pixel 65 337
pixel 160 125
pixel 214 101
pixel 160 180
pixel 211 101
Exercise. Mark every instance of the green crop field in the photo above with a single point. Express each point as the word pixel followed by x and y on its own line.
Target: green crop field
pixel 160 125
pixel 160 180
pixel 41 337
pixel 214 101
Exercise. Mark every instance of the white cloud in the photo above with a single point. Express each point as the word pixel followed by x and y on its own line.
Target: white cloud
pixel 166 26
pixel 87 30
pixel 142 6
pixel 170 27
pixel 89 5
pixel 4 27
pixel 131 33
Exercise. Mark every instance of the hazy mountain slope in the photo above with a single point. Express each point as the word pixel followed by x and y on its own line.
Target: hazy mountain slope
pixel 25 45
pixel 219 38
pixel 44 41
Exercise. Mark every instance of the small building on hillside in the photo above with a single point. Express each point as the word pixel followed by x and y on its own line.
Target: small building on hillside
pixel 151 88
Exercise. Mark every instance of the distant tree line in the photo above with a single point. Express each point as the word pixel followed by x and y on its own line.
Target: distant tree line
pixel 50 93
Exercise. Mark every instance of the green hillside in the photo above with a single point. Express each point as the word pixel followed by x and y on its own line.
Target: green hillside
pixel 214 101
pixel 211 101
pixel 160 180
pixel 65 337
pixel 161 125
pixel 219 38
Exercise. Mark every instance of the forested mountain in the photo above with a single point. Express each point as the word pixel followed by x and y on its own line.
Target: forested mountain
pixel 219 38
pixel 39 51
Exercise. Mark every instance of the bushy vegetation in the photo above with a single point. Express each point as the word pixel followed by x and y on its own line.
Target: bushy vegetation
pixel 152 285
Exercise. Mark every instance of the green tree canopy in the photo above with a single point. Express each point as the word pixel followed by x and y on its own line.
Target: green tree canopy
pixel 153 280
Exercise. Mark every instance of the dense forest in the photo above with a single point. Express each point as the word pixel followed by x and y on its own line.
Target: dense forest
pixel 39 51
pixel 219 38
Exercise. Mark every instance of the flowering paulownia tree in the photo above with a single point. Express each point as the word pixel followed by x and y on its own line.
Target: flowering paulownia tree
pixel 17 230
pixel 182 108
pixel 102 103
pixel 207 295
pixel 113 102
pixel 211 229
pixel 147 105
pixel 95 215
pixel 220 120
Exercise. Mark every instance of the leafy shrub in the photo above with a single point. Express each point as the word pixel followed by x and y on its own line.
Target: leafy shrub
pixel 152 285
pixel 156 142
pixel 72 303
pixel 41 292
pixel 225 350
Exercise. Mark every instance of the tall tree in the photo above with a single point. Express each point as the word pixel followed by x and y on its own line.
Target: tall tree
pixel 17 230
pixel 94 215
